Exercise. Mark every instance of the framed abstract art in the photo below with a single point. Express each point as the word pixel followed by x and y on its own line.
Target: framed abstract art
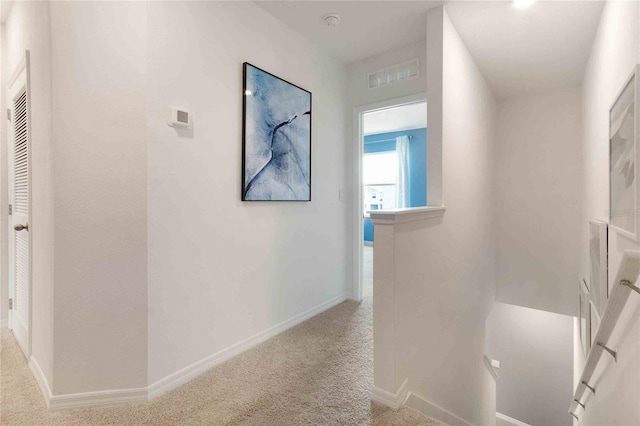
pixel 624 159
pixel 276 138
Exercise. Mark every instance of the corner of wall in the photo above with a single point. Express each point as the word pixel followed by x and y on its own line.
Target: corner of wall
pixel 434 68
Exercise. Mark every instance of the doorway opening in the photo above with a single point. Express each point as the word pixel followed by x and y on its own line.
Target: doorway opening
pixel 391 171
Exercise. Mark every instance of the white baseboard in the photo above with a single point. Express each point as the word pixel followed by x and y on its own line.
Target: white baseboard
pixel 404 397
pixel 511 420
pixel 418 403
pixel 393 400
pixel 188 373
pixel 85 399
pixel 351 297
pixel 40 379
pixel 97 399
pixel 121 396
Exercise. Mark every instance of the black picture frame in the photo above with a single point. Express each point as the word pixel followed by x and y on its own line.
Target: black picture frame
pixel 262 118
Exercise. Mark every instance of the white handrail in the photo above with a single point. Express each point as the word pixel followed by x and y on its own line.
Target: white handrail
pixel 623 284
pixel 491 368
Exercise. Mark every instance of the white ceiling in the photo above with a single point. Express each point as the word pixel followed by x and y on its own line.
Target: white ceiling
pixel 413 116
pixel 520 51
pixel 366 28
pixel 524 51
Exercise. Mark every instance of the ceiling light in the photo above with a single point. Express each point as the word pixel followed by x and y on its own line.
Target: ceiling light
pixel 331 20
pixel 523 4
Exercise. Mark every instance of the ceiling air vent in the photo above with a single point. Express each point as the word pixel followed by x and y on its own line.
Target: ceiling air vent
pixel 395 74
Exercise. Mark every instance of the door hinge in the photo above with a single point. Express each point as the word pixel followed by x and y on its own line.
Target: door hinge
pixel 8 114
pixel 10 303
pixel 10 209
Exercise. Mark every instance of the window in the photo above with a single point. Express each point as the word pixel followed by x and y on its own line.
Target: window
pixel 380 173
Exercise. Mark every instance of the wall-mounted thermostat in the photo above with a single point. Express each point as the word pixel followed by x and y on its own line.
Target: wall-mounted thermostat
pixel 178 117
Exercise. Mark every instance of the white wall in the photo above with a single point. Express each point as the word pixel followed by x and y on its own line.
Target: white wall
pixel 100 183
pixel 359 92
pixel 535 350
pixel 616 49
pixel 194 254
pixel 221 270
pixel 28 27
pixel 538 198
pixel 445 271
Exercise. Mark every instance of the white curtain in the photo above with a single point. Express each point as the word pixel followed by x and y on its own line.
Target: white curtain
pixel 402 186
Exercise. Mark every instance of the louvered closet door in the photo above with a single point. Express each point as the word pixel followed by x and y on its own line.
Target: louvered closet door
pixel 19 198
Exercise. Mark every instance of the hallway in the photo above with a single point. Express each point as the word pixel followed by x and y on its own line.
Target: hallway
pixel 367 263
pixel 186 187
pixel 318 373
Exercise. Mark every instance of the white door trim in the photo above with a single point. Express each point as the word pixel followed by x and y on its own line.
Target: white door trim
pixel 358 152
pixel 22 72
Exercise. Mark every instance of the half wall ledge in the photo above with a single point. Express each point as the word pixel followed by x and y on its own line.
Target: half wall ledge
pixel 412 214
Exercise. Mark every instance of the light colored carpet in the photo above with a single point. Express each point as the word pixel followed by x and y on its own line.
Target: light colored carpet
pixel 367 263
pixel 318 373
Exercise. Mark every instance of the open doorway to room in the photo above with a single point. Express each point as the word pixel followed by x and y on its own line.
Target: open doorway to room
pixel 391 170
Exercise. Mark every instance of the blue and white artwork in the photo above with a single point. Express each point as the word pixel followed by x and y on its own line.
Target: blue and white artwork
pixel 276 139
pixel 622 178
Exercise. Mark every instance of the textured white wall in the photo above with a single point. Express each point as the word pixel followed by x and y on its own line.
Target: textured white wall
pixel 535 350
pixel 100 177
pixel 538 196
pixel 445 282
pixel 28 27
pixel 221 270
pixel 616 49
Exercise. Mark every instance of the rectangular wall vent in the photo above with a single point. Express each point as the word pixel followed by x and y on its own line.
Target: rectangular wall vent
pixel 395 74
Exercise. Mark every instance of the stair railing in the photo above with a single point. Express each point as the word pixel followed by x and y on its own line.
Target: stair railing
pixel 622 287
